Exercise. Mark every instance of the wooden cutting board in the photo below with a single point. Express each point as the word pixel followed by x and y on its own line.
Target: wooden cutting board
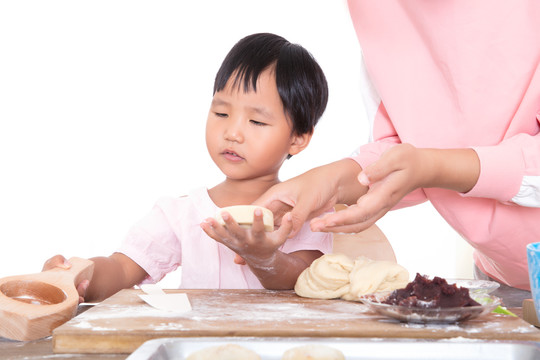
pixel 123 322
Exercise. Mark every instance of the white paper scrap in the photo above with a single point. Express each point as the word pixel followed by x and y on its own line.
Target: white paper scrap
pixel 177 302
pixel 152 289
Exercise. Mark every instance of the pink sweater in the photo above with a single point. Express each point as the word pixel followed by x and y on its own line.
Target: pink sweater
pixel 170 236
pixel 458 74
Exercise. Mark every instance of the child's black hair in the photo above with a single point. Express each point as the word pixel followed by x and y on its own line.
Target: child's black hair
pixel 300 81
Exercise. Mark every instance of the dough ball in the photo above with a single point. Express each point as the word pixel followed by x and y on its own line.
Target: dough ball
pixel 243 215
pixel 313 352
pixel 370 276
pixel 326 278
pixel 224 352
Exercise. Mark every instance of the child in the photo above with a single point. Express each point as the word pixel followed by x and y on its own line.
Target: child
pixel 268 96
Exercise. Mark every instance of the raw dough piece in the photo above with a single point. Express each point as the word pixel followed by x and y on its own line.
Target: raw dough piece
pixel 243 215
pixel 370 276
pixel 224 352
pixel 335 275
pixel 313 352
pixel 326 278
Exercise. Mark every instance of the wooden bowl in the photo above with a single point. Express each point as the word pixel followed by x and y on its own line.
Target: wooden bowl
pixel 32 306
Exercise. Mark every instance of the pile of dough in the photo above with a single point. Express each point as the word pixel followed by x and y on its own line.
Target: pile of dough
pixel 326 278
pixel 313 352
pixel 337 276
pixel 224 352
pixel 243 215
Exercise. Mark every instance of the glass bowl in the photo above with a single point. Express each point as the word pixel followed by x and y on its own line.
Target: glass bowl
pixel 432 315
pixel 475 286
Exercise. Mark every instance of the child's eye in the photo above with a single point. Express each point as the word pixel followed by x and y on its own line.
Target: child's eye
pixel 257 123
pixel 221 114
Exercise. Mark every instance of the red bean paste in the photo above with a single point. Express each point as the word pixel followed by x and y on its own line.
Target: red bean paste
pixel 426 293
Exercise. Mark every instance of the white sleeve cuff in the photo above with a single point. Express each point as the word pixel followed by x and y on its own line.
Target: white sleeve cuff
pixel 529 192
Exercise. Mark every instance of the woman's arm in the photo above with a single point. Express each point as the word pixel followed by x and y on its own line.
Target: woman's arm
pixel 399 171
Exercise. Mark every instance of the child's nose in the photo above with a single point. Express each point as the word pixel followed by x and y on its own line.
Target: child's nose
pixel 234 131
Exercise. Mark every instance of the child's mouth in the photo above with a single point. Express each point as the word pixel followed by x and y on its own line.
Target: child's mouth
pixel 232 156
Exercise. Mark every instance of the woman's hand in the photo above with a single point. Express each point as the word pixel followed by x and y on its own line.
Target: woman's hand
pixel 399 171
pixel 59 261
pixel 314 192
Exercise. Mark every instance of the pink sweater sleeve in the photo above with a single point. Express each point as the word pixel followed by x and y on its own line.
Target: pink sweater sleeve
pixel 510 171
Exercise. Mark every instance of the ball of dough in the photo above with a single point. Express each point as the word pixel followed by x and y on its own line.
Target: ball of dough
pixel 243 215
pixel 224 352
pixel 313 352
pixel 370 276
pixel 326 278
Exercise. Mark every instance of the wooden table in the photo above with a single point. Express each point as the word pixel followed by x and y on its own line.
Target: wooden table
pixel 39 349
pixel 284 301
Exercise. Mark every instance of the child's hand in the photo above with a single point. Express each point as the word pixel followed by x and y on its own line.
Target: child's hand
pixel 254 245
pixel 58 261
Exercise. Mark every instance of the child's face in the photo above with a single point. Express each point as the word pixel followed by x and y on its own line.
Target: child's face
pixel 248 134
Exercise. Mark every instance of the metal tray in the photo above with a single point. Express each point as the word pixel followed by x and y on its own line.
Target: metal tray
pixel 353 349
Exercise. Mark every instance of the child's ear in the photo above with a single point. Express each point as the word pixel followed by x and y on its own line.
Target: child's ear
pixel 299 143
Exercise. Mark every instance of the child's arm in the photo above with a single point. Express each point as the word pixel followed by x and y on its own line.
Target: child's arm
pixel 282 271
pixel 111 274
pixel 275 270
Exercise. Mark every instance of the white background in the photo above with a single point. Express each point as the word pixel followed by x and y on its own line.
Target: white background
pixel 103 107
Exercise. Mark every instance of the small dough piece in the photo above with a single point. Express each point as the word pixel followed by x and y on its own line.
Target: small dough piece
pixel 224 352
pixel 326 278
pixel 313 352
pixel 370 276
pixel 243 215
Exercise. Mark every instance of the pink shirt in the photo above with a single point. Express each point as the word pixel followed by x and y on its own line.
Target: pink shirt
pixel 170 236
pixel 458 74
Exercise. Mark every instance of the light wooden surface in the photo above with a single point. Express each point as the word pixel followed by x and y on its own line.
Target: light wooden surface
pixel 123 322
pixel 529 312
pixel 42 349
pixel 31 306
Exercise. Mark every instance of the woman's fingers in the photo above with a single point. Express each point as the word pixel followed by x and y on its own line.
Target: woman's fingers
pixel 395 159
pixel 380 198
pixel 354 219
